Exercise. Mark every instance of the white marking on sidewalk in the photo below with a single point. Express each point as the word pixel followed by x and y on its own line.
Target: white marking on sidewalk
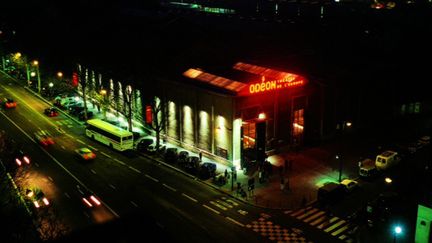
pixel 235 221
pixel 309 212
pixel 63 147
pixel 107 155
pixel 133 203
pixel 327 222
pixel 211 209
pixel 231 201
pixel 67 195
pixel 242 212
pixel 191 198
pixel 340 230
pixel 112 186
pixel 37 165
pixel 152 178
pixel 94 172
pixel 50 178
pixel 132 168
pixel 119 161
pixel 79 141
pixel 171 188
pixel 300 211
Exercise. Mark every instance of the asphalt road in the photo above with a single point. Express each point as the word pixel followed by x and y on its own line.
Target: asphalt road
pixel 129 185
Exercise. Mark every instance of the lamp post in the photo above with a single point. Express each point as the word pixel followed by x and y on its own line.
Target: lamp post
pixel 340 167
pixel 36 64
pixel 397 231
pixel 50 85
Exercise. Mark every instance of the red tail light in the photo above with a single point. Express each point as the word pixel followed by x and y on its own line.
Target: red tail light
pixel 18 161
pixel 27 159
pixel 94 199
pixel 45 200
pixel 87 202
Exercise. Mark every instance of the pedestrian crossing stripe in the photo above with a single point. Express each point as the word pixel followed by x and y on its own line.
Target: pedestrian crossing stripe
pixel 300 211
pixel 232 202
pixel 334 226
pixel 218 205
pixel 309 212
pixel 317 221
pixel 224 203
pixel 327 223
pixel 314 216
pixel 340 230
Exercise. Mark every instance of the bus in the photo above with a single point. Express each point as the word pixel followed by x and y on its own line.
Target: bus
pixel 109 134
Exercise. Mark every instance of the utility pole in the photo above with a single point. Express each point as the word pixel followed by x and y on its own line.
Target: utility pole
pixel 340 167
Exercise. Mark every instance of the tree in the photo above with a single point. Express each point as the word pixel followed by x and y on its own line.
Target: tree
pixel 83 76
pixel 158 117
pixel 127 93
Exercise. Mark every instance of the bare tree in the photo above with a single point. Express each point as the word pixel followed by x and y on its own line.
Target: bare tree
pixel 83 83
pixel 158 117
pixel 127 93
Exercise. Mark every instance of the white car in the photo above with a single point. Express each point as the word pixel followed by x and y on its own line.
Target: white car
pixel 349 185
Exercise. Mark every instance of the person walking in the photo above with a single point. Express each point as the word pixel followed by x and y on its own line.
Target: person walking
pixel 200 156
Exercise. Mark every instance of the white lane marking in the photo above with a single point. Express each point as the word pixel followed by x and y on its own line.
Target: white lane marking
pixel 67 134
pixel 86 214
pixel 211 209
pixel 242 212
pixel 95 149
pixel 107 155
pixel 63 147
pixel 235 221
pixel 191 198
pixel 112 186
pixel 82 193
pixel 37 165
pixel 171 188
pixel 50 178
pixel 94 172
pixel 133 203
pixel 119 161
pixel 132 168
pixel 218 205
pixel 67 195
pixel 79 141
pixel 152 178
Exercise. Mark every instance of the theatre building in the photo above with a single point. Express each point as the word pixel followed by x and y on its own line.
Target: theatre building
pixel 243 112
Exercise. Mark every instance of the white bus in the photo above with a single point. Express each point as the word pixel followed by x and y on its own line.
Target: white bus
pixel 109 134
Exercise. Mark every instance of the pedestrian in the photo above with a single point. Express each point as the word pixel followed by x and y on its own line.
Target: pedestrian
pixel 235 174
pixel 200 156
pixel 260 177
pixel 360 164
pixel 226 173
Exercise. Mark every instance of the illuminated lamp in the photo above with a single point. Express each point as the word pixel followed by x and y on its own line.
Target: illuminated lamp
pixel 261 116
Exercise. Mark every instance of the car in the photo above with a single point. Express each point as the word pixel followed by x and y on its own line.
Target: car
pixel 207 170
pixel 44 138
pixel 143 144
pixel 21 158
pixel 37 197
pixel 81 115
pixel 88 198
pixel 85 153
pixel 171 155
pixel 182 157
pixel 9 103
pixel 423 141
pixel 330 192
pixel 51 111
pixel 349 185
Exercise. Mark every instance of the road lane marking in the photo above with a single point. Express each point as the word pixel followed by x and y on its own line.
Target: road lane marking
pixel 67 195
pixel 242 212
pixel 50 178
pixel 95 149
pixel 133 203
pixel 86 214
pixel 79 141
pixel 172 189
pixel 107 155
pixel 112 186
pixel 211 209
pixel 119 161
pixel 37 165
pixel 152 178
pixel 63 147
pixel 94 172
pixel 132 168
pixel 235 221
pixel 340 230
pixel 67 134
pixel 191 198
pixel 219 206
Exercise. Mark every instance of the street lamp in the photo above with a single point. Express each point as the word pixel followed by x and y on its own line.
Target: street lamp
pixel 397 231
pixel 388 180
pixel 50 85
pixel 59 74
pixel 340 167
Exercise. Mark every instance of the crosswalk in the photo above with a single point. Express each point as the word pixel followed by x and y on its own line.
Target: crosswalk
pixel 225 204
pixel 320 219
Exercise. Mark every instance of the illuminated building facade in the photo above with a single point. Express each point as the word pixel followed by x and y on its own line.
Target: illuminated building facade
pixel 244 112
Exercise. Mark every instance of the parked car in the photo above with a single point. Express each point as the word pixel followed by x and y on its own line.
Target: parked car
pixel 207 170
pixel 192 164
pixel 349 185
pixel 171 155
pixel 81 115
pixel 143 144
pixel 423 141
pixel 330 192
pixel 75 110
pixel 182 157
pixel 51 111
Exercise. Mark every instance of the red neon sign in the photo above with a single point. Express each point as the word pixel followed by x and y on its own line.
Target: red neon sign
pixel 75 79
pixel 149 117
pixel 265 86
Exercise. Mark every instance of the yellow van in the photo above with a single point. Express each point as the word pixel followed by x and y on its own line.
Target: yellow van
pixel 387 159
